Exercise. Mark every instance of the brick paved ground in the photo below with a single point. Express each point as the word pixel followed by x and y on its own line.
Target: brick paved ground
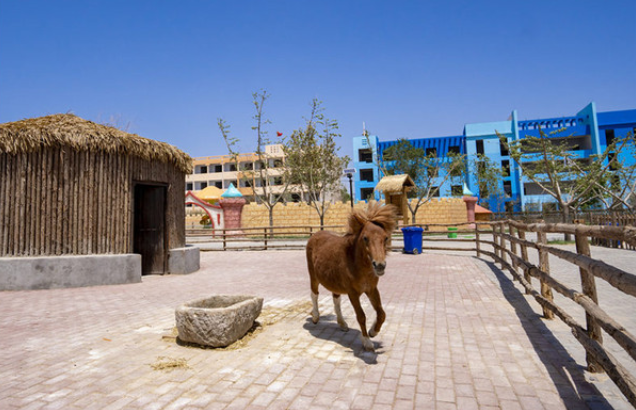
pixel 458 336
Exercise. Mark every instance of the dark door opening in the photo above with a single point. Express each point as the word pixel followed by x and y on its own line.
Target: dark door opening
pixel 149 237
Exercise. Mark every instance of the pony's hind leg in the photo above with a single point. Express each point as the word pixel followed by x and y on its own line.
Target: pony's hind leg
pixel 336 306
pixel 313 283
pixel 315 314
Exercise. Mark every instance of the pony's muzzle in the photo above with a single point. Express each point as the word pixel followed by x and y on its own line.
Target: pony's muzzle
pixel 378 267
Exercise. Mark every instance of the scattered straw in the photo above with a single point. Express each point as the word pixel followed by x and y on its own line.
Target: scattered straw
pixel 168 363
pixel 268 317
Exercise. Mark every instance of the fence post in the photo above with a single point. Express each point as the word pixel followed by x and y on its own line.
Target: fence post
pixel 544 265
pixel 224 239
pixel 265 237
pixel 513 246
pixel 495 239
pixel 588 285
pixel 502 245
pixel 477 244
pixel 524 255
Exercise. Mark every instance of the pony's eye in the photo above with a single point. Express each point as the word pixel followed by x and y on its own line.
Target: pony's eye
pixel 365 239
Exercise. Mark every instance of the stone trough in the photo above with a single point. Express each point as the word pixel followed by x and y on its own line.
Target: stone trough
pixel 217 321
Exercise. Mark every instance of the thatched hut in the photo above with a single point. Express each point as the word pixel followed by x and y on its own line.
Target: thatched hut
pixel 80 201
pixel 395 189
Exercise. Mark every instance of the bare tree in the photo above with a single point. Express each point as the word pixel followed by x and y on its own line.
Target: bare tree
pixel 265 173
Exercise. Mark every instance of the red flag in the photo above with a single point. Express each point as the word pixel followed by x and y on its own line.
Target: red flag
pixel 280 134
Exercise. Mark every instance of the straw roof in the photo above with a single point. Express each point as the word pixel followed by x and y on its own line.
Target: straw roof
pixel 68 130
pixel 394 183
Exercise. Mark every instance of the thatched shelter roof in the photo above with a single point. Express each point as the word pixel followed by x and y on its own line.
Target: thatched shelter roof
pixel 68 130
pixel 481 210
pixel 394 183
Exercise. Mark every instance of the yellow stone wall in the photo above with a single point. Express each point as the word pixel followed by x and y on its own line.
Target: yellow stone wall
pixel 438 210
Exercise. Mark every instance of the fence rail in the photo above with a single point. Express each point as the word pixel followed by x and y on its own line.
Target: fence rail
pixel 509 242
pixel 512 246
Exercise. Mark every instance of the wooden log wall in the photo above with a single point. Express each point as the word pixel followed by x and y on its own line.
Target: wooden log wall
pixel 64 202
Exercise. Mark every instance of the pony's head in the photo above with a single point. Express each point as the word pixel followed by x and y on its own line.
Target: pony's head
pixel 372 229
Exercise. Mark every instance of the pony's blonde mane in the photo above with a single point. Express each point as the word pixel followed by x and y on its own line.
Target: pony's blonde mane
pixel 383 216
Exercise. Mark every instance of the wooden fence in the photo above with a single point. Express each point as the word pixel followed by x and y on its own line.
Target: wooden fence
pixel 510 243
pixel 613 219
pixel 511 252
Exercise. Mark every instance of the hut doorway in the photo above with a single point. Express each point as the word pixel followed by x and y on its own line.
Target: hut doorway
pixel 149 237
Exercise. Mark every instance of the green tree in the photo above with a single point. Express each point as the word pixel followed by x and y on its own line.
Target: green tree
pixel 312 162
pixel 616 188
pixel 428 172
pixel 489 175
pixel 549 161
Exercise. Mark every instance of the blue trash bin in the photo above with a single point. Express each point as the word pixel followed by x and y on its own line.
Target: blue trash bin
pixel 412 239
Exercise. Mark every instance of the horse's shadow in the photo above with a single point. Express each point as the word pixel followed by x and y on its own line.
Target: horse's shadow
pixel 328 329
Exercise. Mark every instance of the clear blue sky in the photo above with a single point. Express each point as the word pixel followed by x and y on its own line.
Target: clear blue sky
pixel 407 69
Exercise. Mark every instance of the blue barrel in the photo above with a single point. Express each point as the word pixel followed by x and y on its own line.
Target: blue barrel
pixel 412 239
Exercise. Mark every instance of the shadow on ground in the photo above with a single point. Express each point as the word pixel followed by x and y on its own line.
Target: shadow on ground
pixel 328 329
pixel 568 376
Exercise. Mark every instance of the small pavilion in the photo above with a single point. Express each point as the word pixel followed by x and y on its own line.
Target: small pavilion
pixel 395 189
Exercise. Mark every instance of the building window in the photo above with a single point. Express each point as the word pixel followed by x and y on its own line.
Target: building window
pixel 218 184
pixel 613 163
pixel 505 168
pixel 508 189
pixel 432 152
pixel 453 150
pixel 366 193
pixel 202 169
pixel 366 175
pixel 435 192
pixel 456 190
pixel 365 155
pixel 189 186
pixel 203 185
pixel 503 147
pixel 480 147
pixel 609 136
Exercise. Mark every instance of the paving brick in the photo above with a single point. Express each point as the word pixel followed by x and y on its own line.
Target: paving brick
pixel 452 340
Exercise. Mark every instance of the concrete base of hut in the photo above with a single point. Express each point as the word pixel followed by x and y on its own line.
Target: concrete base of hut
pixel 184 260
pixel 50 272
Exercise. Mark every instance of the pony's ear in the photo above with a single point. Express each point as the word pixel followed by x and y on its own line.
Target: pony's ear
pixel 356 223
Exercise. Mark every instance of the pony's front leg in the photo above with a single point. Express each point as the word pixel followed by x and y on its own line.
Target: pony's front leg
pixel 374 298
pixel 336 306
pixel 362 321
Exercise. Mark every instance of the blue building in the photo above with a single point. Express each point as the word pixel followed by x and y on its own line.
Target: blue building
pixel 588 133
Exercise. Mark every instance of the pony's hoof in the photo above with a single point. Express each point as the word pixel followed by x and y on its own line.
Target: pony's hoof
pixel 372 333
pixel 368 345
pixel 314 319
pixel 344 327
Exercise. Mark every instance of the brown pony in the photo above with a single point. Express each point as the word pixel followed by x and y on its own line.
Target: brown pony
pixel 352 264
